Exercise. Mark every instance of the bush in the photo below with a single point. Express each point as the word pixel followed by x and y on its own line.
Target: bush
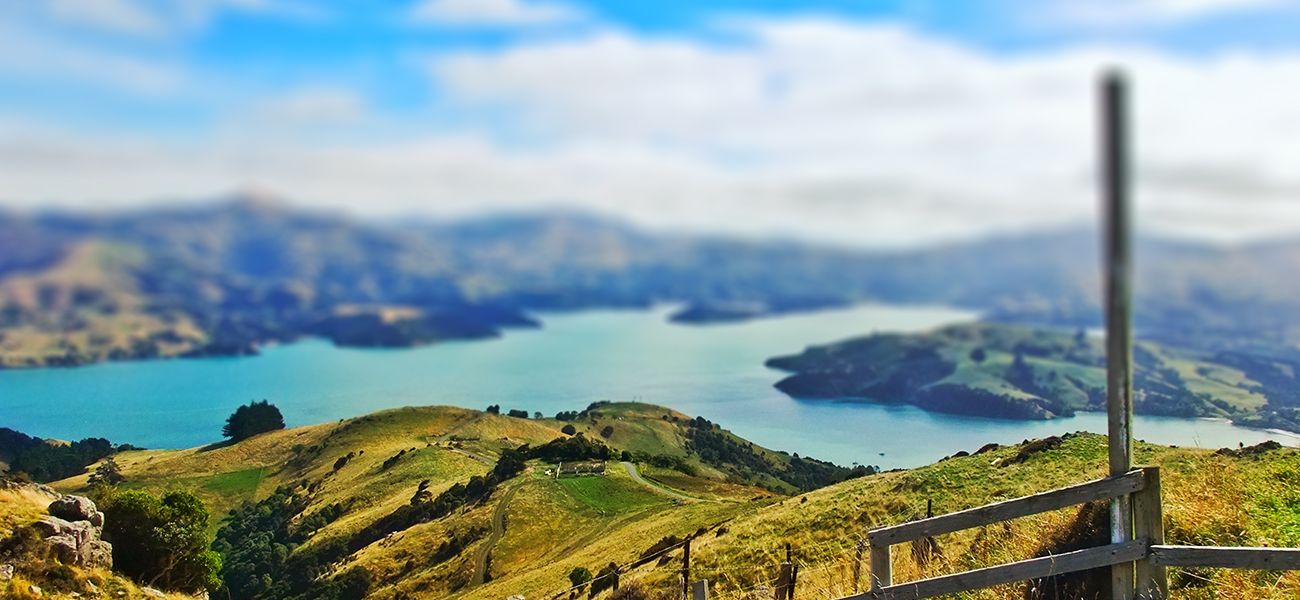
pixel 518 414
pixel 579 576
pixel 162 541
pixel 252 419
pixel 107 473
pixel 569 430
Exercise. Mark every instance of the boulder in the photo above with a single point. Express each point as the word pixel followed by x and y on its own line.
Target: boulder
pixel 74 508
pixel 99 555
pixel 6 572
pixel 72 533
pixel 149 592
pixel 65 549
pixel 52 526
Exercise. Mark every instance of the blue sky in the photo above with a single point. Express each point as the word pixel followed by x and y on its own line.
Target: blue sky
pixel 871 122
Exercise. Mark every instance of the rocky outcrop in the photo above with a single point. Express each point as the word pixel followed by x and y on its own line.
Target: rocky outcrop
pixel 73 533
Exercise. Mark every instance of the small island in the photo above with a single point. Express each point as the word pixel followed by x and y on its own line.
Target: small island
pixel 1021 372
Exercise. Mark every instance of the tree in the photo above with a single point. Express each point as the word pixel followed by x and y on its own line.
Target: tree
pixel 579 576
pixel 494 409
pixel 569 429
pixel 538 415
pixel 107 473
pixel 978 354
pixel 518 414
pixel 162 542
pixel 252 419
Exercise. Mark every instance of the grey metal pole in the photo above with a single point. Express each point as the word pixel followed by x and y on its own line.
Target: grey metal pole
pixel 1118 279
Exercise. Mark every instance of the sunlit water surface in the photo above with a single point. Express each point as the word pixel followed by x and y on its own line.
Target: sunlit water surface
pixel 577 358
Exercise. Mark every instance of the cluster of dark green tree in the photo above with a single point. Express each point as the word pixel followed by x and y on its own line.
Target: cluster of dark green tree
pixel 258 542
pixel 719 449
pixel 251 419
pixel 577 447
pixel 44 461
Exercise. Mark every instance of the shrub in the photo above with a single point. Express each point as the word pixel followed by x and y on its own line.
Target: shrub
pixel 107 473
pixel 252 419
pixel 162 541
pixel 579 576
pixel 569 429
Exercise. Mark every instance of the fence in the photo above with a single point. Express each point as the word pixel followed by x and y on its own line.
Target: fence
pixel 1138 564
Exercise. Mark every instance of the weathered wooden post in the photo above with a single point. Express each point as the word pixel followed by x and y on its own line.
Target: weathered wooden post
pixel 686 569
pixel 1117 275
pixel 1148 523
pixel 700 590
pixel 882 573
pixel 783 582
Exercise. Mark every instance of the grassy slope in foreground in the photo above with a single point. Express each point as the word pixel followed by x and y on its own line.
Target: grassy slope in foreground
pixel 552 526
pixel 1209 499
pixel 1011 371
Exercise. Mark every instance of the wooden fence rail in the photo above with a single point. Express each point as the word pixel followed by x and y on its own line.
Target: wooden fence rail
pixel 1101 489
pixel 1068 562
pixel 1127 485
pixel 1259 559
pixel 1146 555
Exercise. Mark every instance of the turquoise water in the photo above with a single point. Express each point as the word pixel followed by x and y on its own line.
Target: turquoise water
pixel 577 358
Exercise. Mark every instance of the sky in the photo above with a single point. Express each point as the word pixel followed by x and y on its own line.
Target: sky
pixel 873 123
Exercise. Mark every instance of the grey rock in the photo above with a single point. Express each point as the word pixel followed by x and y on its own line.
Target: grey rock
pixel 51 526
pixel 149 592
pixel 6 572
pixel 65 549
pixel 99 555
pixel 73 508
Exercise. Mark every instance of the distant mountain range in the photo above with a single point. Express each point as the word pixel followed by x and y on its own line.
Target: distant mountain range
pixel 227 277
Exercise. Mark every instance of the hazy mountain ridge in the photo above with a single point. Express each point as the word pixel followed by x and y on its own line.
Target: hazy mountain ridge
pixel 225 278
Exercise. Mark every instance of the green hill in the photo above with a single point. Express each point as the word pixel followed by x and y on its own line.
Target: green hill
pixel 342 495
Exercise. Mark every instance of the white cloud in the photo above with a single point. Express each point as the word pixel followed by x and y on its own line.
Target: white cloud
pixel 494 12
pixel 834 131
pixel 1111 13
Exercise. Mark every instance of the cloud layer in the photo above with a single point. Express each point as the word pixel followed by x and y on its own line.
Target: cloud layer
pixel 840 131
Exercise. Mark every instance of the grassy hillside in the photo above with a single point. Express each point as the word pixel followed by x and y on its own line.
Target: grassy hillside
pixel 1209 499
pixel 1011 371
pixel 348 476
pixel 533 529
